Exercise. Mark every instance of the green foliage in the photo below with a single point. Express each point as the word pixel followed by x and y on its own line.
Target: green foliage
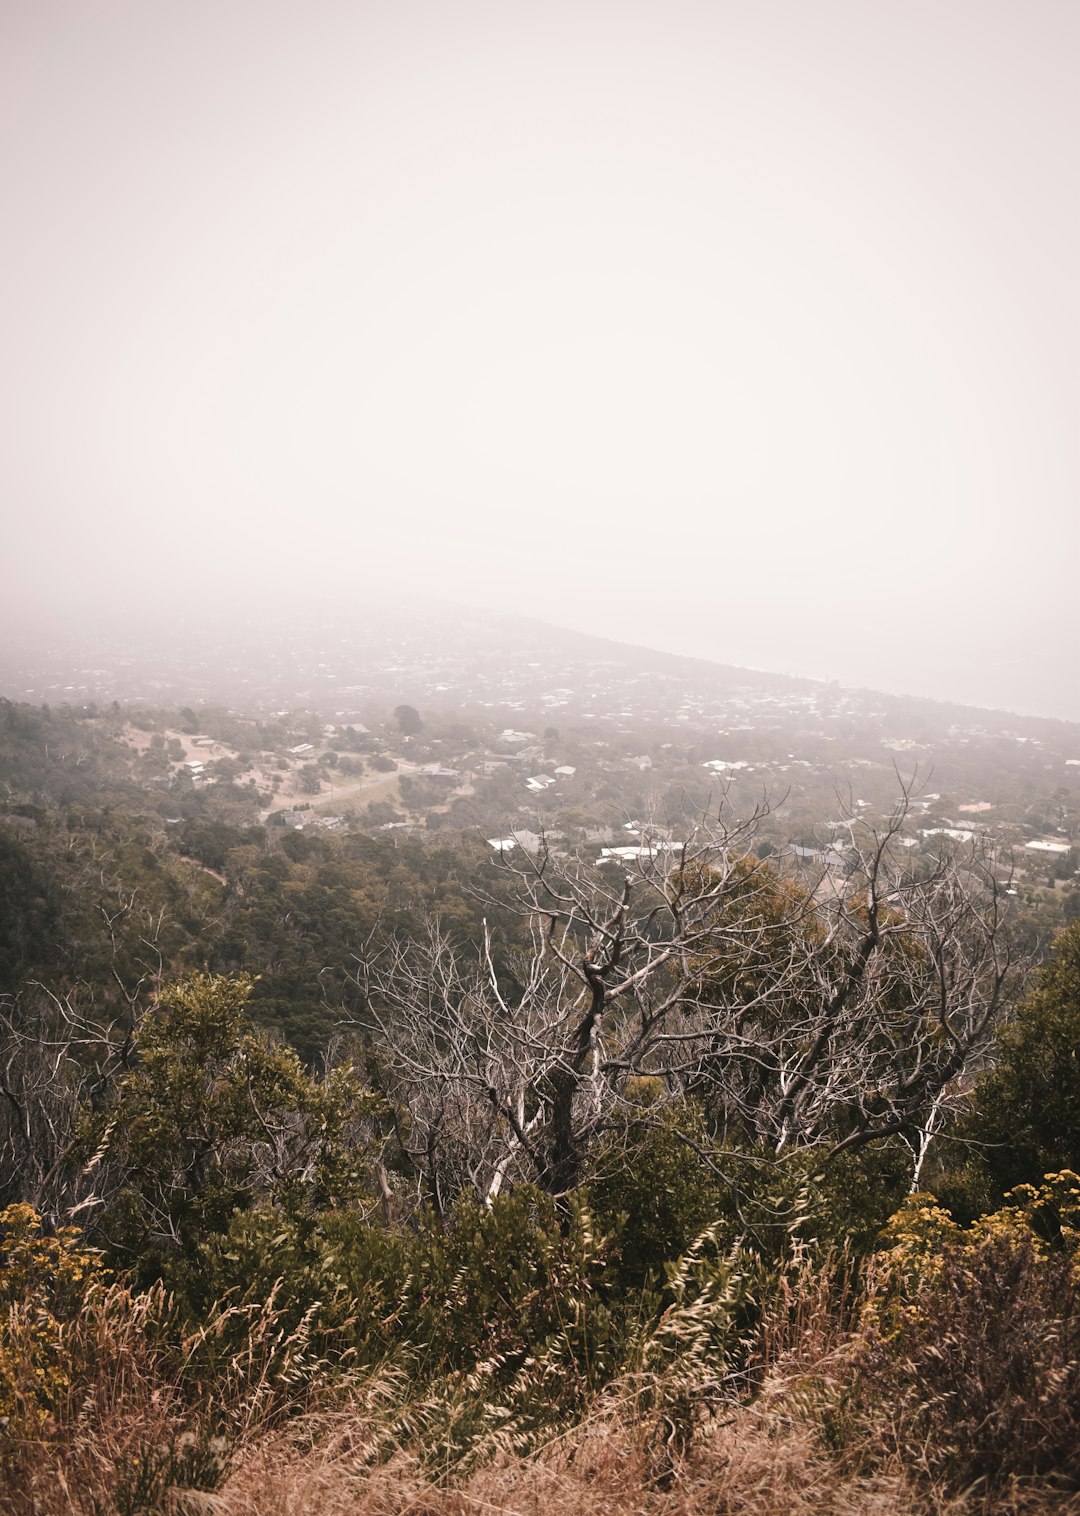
pixel 654 1190
pixel 857 1191
pixel 650 1188
pixel 155 1476
pixel 1026 1116
pixel 408 720
pixel 482 1339
pixel 298 913
pixel 44 1283
pixel 969 1347
pixel 493 1282
pixel 697 1355
pixel 211 842
pixel 59 757
pixel 214 1117
pixel 506 1319
pixel 95 896
pixel 815 1201
pixel 28 905
pixel 505 1280
pixel 308 781
pixel 743 971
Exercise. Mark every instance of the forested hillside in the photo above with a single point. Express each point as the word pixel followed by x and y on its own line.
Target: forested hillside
pixel 409 1152
pixel 539 758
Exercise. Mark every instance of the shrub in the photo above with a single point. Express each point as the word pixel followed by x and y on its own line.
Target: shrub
pixel 969 1349
pixel 113 1394
pixel 44 1282
pixel 515 1305
pixel 1026 1113
pixel 650 1188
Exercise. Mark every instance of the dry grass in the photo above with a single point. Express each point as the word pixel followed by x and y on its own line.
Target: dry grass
pixel 603 1470
pixel 745 1463
pixel 242 1417
pixel 140 1417
pixel 804 1446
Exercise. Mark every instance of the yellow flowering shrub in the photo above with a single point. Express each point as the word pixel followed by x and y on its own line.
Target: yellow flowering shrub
pixel 44 1282
pixel 969 1338
pixel 1046 1215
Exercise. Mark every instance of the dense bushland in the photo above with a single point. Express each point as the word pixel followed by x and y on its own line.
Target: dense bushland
pixel 600 1199
pixel 300 1349
pixel 462 1369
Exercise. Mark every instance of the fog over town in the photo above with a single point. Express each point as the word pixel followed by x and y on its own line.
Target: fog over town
pixel 539 757
pixel 746 332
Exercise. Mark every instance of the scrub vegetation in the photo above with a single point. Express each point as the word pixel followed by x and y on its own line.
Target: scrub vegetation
pixel 382 1172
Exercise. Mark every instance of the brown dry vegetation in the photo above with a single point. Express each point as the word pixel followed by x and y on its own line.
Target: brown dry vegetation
pixel 606 1469
pixel 831 1411
pixel 765 1458
pixel 289 1347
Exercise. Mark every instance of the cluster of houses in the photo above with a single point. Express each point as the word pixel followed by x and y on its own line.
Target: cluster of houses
pixel 617 725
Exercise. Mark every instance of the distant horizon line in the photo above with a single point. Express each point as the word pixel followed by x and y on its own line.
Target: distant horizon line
pixel 332 614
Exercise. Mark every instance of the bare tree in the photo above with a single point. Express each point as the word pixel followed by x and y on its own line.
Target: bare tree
pixel 798 1015
pixel 62 1052
pixel 60 1058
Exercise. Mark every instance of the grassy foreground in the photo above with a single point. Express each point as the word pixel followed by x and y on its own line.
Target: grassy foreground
pixel 941 1375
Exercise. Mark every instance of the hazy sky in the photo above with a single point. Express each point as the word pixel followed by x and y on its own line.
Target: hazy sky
pixel 746 328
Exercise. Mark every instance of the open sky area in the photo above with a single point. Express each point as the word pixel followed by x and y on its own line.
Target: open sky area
pixel 746 329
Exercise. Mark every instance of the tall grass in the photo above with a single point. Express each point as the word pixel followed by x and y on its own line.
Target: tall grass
pixel 941 1378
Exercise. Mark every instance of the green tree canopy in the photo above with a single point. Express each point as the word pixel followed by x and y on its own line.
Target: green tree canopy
pixel 1027 1109
pixel 408 720
pixel 213 1117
